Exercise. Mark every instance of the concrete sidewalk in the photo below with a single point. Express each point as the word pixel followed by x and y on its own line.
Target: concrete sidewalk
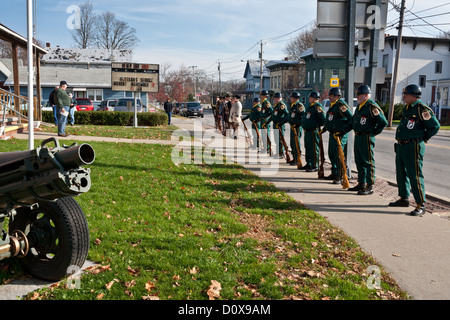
pixel 414 250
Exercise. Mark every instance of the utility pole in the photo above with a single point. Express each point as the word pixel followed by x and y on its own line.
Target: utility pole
pixel 395 70
pixel 261 69
pixel 220 79
pixel 195 89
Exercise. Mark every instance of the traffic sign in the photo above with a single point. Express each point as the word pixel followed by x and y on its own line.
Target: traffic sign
pixel 334 82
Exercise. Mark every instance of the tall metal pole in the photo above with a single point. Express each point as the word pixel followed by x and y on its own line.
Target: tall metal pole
pixel 371 79
pixel 30 75
pixel 395 70
pixel 350 76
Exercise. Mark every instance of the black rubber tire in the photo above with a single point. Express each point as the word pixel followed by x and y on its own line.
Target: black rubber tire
pixel 63 243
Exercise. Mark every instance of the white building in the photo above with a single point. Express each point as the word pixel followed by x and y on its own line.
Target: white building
pixel 423 61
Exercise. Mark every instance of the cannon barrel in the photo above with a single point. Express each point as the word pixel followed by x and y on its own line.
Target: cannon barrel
pixel 27 177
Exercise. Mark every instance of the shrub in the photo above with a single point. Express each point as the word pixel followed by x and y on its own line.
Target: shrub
pixel 398 110
pixel 113 118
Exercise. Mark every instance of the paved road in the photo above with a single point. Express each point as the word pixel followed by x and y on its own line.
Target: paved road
pixel 436 164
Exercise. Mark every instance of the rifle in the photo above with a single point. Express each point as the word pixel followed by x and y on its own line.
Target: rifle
pixel 320 173
pixel 345 183
pixel 250 142
pixel 288 159
pixel 297 146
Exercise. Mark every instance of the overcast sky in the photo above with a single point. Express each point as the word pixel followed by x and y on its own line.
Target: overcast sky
pixel 202 32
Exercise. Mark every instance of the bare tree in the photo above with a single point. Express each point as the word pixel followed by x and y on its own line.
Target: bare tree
pixel 114 34
pixel 84 37
pixel 300 43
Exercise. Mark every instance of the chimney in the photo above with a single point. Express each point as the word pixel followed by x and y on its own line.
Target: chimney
pixel 47 45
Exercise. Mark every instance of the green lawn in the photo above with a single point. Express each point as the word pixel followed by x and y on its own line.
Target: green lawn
pixel 165 231
pixel 152 133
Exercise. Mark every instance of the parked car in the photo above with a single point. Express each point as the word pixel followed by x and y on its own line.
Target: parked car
pixel 46 106
pixel 192 109
pixel 107 105
pixel 84 104
pixel 127 104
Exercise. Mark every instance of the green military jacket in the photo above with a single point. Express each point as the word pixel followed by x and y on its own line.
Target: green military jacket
pixel 418 122
pixel 314 116
pixel 369 118
pixel 339 118
pixel 296 114
pixel 280 114
pixel 266 110
pixel 254 115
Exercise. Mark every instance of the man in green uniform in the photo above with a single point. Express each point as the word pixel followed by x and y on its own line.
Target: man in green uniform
pixel 417 125
pixel 266 112
pixel 295 120
pixel 368 121
pixel 313 119
pixel 255 116
pixel 338 121
pixel 279 117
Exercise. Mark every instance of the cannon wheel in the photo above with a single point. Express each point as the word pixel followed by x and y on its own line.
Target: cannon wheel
pixel 58 235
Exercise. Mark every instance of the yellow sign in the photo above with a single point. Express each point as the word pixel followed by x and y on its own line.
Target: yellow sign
pixel 334 82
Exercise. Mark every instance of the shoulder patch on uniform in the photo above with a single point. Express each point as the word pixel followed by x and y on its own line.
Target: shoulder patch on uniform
pixel 282 107
pixel 426 115
pixel 375 111
pixel 301 107
pixel 319 109
pixel 343 107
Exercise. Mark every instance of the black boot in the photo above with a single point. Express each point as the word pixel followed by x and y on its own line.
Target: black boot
pixel 366 190
pixel 358 187
pixel 418 211
pixel 402 202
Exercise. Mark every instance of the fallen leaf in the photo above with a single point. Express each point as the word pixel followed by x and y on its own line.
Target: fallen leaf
pixel 214 290
pixel 149 286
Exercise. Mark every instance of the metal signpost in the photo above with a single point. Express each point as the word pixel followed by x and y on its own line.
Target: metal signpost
pixel 335 35
pixel 135 77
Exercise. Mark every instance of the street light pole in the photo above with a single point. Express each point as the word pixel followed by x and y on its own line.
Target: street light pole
pixel 30 75
pixel 195 88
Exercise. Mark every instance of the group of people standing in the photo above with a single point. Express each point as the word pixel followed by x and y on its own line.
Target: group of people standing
pixel 417 125
pixel 228 114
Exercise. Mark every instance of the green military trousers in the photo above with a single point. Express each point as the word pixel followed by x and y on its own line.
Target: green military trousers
pixel 279 133
pixel 408 164
pixel 265 137
pixel 312 148
pixel 365 162
pixel 293 142
pixel 256 127
pixel 334 156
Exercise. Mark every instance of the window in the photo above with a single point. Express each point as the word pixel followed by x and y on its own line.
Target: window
pixel 314 76
pixel 362 62
pixel 308 77
pixel 95 94
pixel 422 81
pixel 335 73
pixel 385 62
pixel 438 67
pixel 320 76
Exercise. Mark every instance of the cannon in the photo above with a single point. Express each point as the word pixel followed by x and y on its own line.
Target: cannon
pixel 47 228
